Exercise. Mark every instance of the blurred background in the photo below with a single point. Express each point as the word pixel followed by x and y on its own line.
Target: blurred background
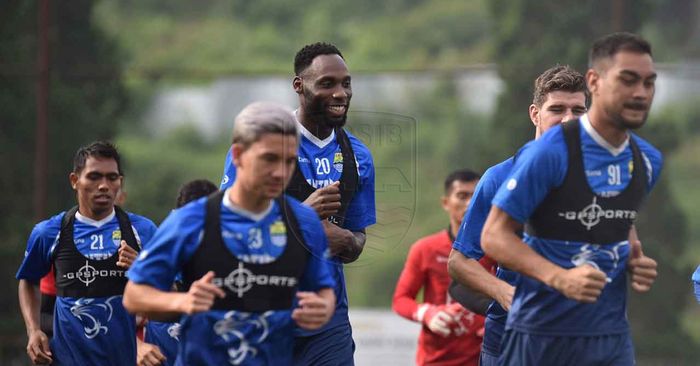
pixel 438 85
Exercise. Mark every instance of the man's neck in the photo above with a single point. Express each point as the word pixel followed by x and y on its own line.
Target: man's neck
pixel 454 228
pixel 245 200
pixel 606 127
pixel 93 215
pixel 312 125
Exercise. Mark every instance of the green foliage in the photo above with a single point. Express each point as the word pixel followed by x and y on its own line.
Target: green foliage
pixel 155 169
pixel 166 39
pixel 86 95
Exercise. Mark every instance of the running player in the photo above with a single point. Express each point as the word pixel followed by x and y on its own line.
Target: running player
pixel 164 334
pixel 559 95
pixel 243 254
pixel 89 246
pixel 335 176
pixel 576 192
pixel 449 333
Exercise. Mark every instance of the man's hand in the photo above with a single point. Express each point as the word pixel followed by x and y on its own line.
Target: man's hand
pixel 127 255
pixel 504 295
pixel 583 283
pixel 313 311
pixel 339 239
pixel 642 268
pixel 201 295
pixel 38 348
pixel 325 201
pixel 148 354
pixel 436 318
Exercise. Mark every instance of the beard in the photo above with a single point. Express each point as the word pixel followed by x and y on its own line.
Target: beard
pixel 632 124
pixel 317 110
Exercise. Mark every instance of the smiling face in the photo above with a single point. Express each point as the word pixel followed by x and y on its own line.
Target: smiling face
pixel 623 88
pixel 325 91
pixel 97 185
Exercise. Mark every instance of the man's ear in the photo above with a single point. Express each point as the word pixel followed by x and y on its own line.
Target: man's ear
pixel 298 85
pixel 533 111
pixel 592 78
pixel 73 180
pixel 236 151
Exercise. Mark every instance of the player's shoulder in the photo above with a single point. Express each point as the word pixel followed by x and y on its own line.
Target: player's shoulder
pixel 499 171
pixel 550 145
pixel 50 227
pixel 359 148
pixel 428 242
pixel 139 220
pixel 649 150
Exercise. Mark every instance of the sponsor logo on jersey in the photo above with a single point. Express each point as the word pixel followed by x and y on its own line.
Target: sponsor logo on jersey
pixel 241 280
pixel 303 160
pixel 592 214
pixel 87 274
pixel 630 166
pixel 278 233
pixel 338 161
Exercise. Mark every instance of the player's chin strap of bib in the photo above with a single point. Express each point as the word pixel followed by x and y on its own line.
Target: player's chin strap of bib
pixel 300 188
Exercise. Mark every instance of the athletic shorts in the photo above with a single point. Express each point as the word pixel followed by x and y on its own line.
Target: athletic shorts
pixel 523 349
pixel 487 359
pixel 333 347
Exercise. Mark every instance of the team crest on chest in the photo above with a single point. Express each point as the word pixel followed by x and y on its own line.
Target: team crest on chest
pixel 338 162
pixel 117 237
pixel 278 233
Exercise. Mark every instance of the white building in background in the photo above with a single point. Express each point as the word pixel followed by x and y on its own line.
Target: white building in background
pixel 213 107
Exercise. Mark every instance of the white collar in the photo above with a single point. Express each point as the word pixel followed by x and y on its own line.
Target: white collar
pixel 615 151
pixel 243 212
pixel 309 136
pixel 96 223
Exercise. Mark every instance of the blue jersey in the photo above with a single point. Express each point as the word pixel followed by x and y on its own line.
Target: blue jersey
pixel 166 336
pixel 318 161
pixel 540 168
pixel 696 283
pixel 221 337
pixel 468 242
pixel 87 331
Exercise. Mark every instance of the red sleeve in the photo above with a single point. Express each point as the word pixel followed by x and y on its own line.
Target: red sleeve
pixel 410 282
pixel 489 264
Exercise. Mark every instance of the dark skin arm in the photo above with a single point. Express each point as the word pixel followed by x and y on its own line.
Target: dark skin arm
pixel 38 344
pixel 343 243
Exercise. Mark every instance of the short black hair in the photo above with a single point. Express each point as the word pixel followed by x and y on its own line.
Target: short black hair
pixel 609 45
pixel 97 149
pixel 462 175
pixel 193 190
pixel 308 53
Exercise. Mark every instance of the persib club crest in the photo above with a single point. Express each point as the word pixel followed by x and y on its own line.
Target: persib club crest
pixel 278 233
pixel 117 237
pixel 338 162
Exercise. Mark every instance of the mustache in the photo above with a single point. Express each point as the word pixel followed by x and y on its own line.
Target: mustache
pixel 640 106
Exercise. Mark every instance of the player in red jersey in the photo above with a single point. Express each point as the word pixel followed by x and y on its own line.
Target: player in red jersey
pixel 450 334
